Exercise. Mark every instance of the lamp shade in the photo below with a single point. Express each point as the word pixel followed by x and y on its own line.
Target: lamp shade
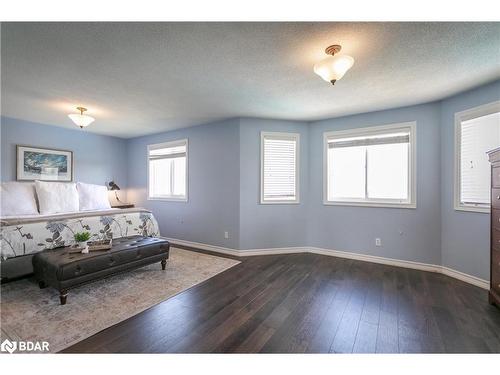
pixel 81 120
pixel 333 68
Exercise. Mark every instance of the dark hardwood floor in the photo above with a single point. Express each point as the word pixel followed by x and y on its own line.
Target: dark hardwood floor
pixel 315 304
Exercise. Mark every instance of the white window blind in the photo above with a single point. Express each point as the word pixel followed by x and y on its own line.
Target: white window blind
pixel 168 170
pixel 477 136
pixel 372 166
pixel 279 167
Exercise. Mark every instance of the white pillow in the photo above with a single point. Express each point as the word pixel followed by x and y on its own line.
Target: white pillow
pixel 55 197
pixel 18 198
pixel 92 197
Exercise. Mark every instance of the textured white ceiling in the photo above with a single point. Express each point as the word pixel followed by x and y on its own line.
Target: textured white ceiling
pixel 142 78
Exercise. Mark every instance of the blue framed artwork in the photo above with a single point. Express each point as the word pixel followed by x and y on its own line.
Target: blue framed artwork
pixel 35 163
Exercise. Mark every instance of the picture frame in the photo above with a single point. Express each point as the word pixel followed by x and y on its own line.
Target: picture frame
pixel 44 164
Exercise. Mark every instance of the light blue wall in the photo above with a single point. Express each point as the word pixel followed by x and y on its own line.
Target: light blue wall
pixel 432 233
pixel 224 187
pixel 97 158
pixel 270 225
pixel 224 184
pixel 213 173
pixel 407 234
pixel 465 235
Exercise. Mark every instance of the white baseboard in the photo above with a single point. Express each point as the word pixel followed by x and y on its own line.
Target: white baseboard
pixel 203 246
pixel 484 284
pixel 376 259
pixel 273 251
pixel 238 253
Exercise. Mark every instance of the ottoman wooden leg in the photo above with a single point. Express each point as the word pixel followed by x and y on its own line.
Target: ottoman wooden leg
pixel 41 284
pixel 163 264
pixel 63 294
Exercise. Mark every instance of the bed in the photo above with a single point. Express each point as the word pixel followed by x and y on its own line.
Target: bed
pixel 23 236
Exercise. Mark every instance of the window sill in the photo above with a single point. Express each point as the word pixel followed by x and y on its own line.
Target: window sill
pixel 483 210
pixel 168 199
pixel 279 202
pixel 372 204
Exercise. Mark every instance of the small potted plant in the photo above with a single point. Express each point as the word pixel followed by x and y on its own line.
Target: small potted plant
pixel 81 239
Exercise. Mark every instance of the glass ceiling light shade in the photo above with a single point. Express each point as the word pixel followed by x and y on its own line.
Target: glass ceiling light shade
pixel 333 68
pixel 80 119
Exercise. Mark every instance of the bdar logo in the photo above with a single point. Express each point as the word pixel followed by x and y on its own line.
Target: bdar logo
pixel 24 346
pixel 8 346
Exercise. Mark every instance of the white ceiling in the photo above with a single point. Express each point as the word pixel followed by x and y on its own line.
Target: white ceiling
pixel 142 78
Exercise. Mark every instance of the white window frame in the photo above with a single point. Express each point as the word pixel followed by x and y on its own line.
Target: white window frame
pixel 178 142
pixel 468 114
pixel 288 136
pixel 369 131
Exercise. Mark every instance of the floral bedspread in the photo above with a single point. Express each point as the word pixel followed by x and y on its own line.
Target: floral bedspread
pixel 22 238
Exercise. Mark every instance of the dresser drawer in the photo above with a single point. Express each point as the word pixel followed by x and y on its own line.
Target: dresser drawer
pixel 495 273
pixel 495 177
pixel 495 239
pixel 495 219
pixel 495 198
pixel 495 260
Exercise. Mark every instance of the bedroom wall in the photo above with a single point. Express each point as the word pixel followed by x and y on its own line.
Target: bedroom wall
pixel 465 235
pixel 270 225
pixel 97 158
pixel 224 187
pixel 213 184
pixel 224 183
pixel 230 150
pixel 407 234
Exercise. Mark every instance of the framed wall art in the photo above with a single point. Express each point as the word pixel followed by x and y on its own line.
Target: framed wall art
pixel 35 163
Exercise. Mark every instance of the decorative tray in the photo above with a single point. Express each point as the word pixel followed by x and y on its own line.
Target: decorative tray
pixel 100 245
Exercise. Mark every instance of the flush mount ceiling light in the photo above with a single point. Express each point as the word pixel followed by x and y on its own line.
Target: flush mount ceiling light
pixel 80 119
pixel 333 68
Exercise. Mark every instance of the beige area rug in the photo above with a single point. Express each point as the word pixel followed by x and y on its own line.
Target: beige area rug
pixel 32 314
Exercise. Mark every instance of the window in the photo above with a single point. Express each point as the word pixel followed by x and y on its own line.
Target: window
pixel 168 170
pixel 372 166
pixel 477 131
pixel 279 168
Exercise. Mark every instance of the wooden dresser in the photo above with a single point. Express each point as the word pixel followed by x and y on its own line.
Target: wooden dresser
pixel 494 295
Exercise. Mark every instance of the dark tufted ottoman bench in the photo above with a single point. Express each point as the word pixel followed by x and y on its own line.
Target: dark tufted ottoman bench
pixel 63 270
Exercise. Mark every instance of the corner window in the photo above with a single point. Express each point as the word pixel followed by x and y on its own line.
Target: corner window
pixel 372 166
pixel 167 169
pixel 477 131
pixel 279 168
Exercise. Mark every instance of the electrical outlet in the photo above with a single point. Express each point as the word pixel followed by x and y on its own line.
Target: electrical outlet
pixel 226 235
pixel 378 242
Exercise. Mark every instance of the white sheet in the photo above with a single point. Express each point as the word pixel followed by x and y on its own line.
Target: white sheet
pixel 53 216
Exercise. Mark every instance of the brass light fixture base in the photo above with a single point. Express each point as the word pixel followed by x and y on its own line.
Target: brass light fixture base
pixel 81 109
pixel 333 49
